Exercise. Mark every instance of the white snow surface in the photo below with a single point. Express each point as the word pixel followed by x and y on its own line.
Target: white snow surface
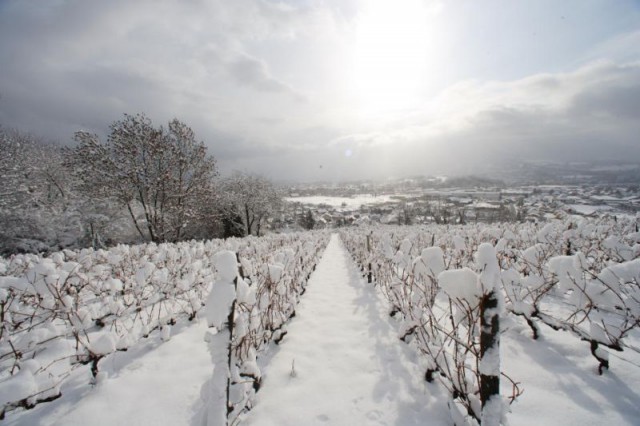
pixel 588 208
pixel 562 386
pixel 161 386
pixel 461 284
pixel 223 292
pixel 351 202
pixel 349 367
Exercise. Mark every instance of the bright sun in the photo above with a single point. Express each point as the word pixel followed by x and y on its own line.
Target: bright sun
pixel 391 53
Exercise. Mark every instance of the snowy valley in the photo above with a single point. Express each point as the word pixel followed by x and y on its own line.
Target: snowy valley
pixel 319 212
pixel 388 330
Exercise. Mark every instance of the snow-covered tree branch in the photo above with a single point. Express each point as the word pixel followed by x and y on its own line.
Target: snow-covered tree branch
pixel 162 176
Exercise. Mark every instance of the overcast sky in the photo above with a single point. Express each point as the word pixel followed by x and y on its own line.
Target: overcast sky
pixel 335 89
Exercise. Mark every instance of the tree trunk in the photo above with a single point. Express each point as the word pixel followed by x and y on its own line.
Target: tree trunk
pixel 135 221
pixel 248 218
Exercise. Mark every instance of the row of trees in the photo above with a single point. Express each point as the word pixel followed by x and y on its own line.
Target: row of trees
pixel 444 213
pixel 143 183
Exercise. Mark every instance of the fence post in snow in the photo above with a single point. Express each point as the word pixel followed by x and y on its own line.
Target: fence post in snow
pixel 489 354
pixel 220 312
pixel 489 365
pixel 230 323
pixel 240 269
pixel 369 276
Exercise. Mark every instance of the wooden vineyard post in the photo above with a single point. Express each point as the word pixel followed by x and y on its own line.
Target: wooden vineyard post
pixel 230 323
pixel 369 276
pixel 490 359
pixel 220 312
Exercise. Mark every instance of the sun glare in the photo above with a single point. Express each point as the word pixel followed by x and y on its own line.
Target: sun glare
pixel 391 53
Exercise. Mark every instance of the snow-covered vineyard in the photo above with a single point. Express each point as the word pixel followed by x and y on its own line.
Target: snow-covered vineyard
pixel 466 325
pixel 450 288
pixel 71 310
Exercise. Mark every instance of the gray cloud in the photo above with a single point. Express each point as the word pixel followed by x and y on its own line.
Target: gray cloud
pixel 73 64
pixel 614 103
pixel 254 73
pixel 590 114
pixel 263 84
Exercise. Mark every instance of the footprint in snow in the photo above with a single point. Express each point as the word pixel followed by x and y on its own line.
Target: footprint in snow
pixel 134 366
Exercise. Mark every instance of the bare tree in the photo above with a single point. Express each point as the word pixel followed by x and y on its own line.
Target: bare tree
pixel 162 176
pixel 249 200
pixel 30 169
pixel 35 195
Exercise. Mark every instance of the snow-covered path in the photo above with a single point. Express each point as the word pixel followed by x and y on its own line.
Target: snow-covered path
pixel 349 367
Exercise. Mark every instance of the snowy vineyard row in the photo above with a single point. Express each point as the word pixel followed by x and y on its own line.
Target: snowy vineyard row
pixel 449 286
pixel 74 308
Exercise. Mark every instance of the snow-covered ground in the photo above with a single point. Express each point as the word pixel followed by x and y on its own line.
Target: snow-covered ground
pixel 348 202
pixel 342 363
pixel 561 382
pixel 159 384
pixel 588 208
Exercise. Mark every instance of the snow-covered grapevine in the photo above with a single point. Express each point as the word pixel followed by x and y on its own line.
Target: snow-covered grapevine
pixel 74 308
pixel 450 285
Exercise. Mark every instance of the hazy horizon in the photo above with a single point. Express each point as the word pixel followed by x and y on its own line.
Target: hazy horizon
pixel 335 90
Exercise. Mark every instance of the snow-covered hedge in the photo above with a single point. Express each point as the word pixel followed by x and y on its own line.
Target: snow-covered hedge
pixel 579 274
pixel 249 306
pixel 74 308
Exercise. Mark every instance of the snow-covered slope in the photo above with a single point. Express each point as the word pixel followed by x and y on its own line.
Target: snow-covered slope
pixel 342 362
pixel 159 385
